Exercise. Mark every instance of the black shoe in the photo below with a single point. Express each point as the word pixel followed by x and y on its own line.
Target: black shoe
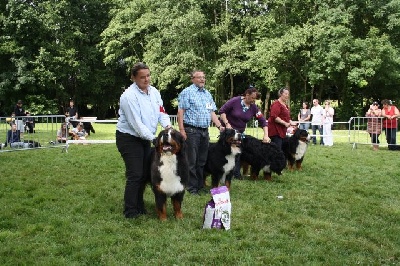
pixel 194 192
pixel 132 215
pixel 239 177
pixel 142 212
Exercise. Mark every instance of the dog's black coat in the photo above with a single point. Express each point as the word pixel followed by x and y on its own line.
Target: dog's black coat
pixel 88 127
pixel 262 156
pixel 169 171
pixel 295 147
pixel 221 157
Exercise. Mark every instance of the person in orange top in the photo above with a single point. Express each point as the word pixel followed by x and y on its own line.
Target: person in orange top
pixel 390 114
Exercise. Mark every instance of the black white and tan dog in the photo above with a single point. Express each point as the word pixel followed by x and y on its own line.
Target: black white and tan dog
pixel 295 147
pixel 169 172
pixel 261 156
pixel 221 157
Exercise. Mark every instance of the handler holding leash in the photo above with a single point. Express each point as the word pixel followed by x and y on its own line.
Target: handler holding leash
pixel 279 119
pixel 141 109
pixel 238 111
pixel 196 110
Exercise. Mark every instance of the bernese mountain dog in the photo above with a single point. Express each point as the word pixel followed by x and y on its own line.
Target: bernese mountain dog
pixel 295 147
pixel 169 172
pixel 261 156
pixel 221 157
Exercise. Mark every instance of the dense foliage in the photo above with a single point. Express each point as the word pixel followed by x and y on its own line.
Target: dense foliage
pixel 51 50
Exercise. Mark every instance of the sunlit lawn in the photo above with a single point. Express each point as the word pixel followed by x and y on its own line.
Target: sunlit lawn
pixel 60 208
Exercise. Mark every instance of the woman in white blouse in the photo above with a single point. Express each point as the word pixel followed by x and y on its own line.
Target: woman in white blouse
pixel 327 123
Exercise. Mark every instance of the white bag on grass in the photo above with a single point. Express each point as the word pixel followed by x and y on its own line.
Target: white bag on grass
pixel 217 212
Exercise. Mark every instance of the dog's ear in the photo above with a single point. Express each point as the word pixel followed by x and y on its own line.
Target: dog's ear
pixel 297 133
pixel 222 134
pixel 158 140
pixel 179 137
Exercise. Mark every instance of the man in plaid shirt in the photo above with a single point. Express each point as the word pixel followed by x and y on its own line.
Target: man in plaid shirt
pixel 196 110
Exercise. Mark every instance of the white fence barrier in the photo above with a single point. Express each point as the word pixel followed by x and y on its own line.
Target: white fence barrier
pixel 359 128
pixel 34 132
pixel 44 132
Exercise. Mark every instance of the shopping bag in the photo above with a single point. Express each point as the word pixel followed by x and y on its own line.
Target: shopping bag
pixel 217 212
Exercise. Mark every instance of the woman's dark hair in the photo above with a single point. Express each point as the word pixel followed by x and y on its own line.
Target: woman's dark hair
pixel 64 131
pixel 386 101
pixel 138 66
pixel 307 105
pixel 251 90
pixel 280 92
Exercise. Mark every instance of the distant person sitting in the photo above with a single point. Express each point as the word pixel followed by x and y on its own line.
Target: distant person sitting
pixel 62 133
pixel 79 133
pixel 87 126
pixel 14 138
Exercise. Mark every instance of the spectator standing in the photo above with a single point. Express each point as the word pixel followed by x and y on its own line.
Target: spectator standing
pixel 374 125
pixel 390 114
pixel 72 113
pixel 317 113
pixel 279 119
pixel 141 109
pixel 19 113
pixel 304 116
pixel 196 110
pixel 329 112
pixel 236 112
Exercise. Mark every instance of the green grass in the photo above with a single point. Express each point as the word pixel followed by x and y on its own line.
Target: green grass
pixel 66 209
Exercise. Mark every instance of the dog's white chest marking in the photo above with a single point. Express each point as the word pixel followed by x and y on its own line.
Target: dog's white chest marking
pixel 170 181
pixel 301 150
pixel 267 169
pixel 230 164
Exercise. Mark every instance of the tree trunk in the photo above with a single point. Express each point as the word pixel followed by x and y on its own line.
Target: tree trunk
pixel 266 103
pixel 231 79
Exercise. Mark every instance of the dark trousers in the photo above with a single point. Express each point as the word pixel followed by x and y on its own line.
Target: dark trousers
pixel 314 132
pixel 391 138
pixel 374 138
pixel 236 169
pixel 136 155
pixel 197 150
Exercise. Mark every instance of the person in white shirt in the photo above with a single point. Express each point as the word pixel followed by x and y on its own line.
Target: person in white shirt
pixel 141 110
pixel 327 123
pixel 317 113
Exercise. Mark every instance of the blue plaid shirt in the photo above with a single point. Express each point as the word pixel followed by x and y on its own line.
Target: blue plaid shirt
pixel 198 105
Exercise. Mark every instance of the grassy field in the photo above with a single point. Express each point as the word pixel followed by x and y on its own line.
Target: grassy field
pixel 60 208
